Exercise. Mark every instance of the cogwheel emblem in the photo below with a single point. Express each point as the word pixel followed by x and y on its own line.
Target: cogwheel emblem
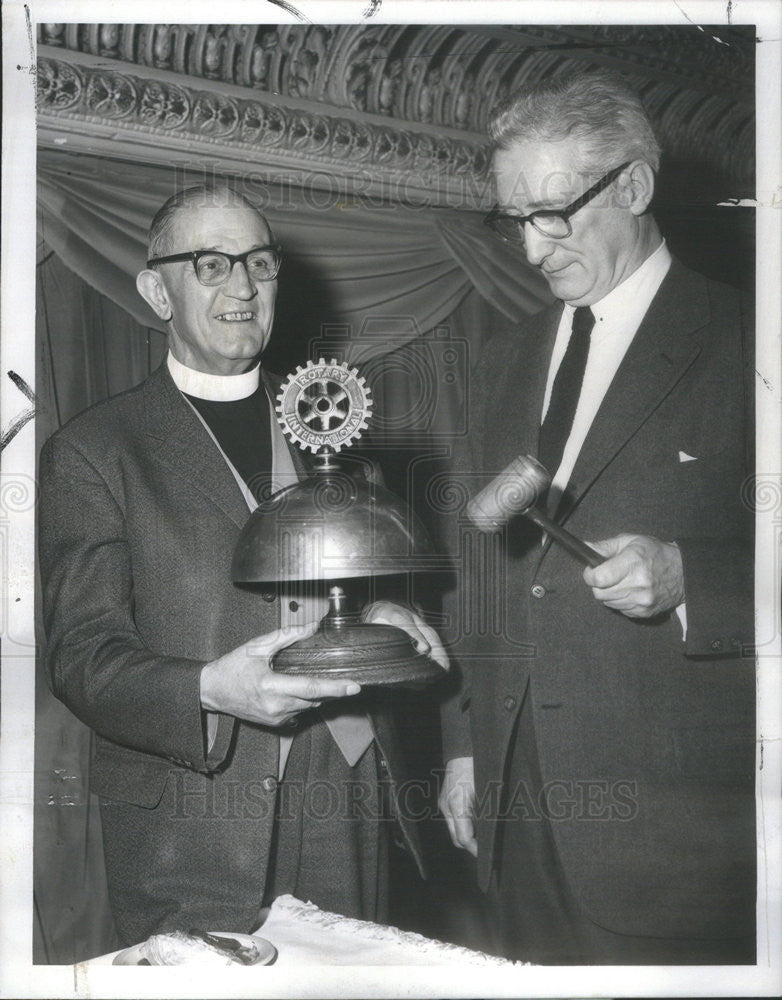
pixel 324 404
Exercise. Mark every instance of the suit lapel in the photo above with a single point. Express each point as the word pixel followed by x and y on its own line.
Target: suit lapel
pixel 183 445
pixel 664 347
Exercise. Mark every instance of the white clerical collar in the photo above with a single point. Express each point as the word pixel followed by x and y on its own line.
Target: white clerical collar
pixel 635 293
pixel 204 385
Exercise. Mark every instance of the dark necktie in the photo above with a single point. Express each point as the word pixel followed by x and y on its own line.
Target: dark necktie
pixel 558 422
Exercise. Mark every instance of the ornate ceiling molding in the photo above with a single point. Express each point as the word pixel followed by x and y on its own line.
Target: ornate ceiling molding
pixel 408 83
pixel 121 110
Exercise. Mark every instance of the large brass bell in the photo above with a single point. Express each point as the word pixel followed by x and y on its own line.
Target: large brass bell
pixel 334 527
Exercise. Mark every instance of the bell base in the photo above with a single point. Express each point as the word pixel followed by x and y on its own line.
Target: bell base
pixel 367 653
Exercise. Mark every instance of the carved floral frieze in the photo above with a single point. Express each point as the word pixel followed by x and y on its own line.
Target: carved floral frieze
pixel 96 95
pixel 697 84
pixel 438 73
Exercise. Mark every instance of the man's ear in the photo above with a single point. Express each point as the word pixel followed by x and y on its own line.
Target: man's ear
pixel 638 186
pixel 151 288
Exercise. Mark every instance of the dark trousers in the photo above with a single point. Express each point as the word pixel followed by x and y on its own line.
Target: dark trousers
pixel 536 917
pixel 331 831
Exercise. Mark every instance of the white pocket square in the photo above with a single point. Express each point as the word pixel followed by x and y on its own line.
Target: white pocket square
pixel 684 457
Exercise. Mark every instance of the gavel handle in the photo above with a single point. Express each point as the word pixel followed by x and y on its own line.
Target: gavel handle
pixel 583 552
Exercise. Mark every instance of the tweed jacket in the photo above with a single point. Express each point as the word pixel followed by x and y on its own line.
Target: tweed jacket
pixel 139 517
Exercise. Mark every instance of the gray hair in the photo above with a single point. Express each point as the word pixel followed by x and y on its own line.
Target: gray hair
pixel 199 196
pixel 595 107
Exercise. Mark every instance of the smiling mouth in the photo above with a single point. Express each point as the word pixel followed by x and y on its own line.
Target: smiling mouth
pixel 236 317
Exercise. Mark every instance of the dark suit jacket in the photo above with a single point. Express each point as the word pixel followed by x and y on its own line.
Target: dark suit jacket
pixel 139 516
pixel 646 742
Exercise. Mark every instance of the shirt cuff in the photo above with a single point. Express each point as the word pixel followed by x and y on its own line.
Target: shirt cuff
pixel 681 611
pixel 211 730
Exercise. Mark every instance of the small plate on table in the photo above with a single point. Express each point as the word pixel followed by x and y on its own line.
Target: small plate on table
pixel 224 948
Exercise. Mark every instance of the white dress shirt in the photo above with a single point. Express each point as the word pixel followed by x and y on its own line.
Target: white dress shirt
pixel 617 318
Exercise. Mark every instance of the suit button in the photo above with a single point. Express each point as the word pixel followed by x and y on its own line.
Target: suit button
pixel 268 595
pixel 509 703
pixel 716 644
pixel 538 591
pixel 269 783
pixel 294 605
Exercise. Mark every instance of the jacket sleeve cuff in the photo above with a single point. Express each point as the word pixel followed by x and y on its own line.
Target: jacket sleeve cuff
pixel 719 594
pixel 455 715
pixel 456 746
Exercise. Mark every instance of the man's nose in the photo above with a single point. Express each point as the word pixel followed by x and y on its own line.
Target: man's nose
pixel 537 246
pixel 238 284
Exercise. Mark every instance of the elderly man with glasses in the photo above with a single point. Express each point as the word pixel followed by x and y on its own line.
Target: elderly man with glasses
pixel 601 748
pixel 164 658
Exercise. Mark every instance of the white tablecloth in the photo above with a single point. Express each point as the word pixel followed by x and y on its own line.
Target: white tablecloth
pixel 306 935
pixel 303 933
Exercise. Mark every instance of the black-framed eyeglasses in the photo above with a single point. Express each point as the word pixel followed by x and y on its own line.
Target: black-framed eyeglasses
pixel 213 267
pixel 553 222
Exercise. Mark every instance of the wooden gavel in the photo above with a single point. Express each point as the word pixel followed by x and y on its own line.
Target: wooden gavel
pixel 516 490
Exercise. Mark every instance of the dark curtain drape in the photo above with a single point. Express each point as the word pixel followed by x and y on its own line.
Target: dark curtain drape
pixel 407 294
pixel 355 261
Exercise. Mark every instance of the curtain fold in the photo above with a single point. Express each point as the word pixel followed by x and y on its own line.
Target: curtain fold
pixel 356 261
pixel 502 276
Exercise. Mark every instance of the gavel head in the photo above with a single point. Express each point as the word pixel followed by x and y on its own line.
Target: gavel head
pixel 513 491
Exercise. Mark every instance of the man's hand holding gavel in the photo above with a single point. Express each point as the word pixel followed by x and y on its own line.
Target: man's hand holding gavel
pixel 641 576
pixel 635 574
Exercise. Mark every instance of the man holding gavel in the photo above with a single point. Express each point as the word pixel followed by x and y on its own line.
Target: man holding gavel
pixel 600 752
